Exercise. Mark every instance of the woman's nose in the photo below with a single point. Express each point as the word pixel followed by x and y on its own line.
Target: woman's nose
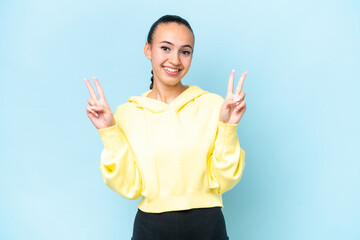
pixel 174 59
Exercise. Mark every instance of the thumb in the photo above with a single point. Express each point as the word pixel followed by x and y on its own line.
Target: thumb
pixel 98 108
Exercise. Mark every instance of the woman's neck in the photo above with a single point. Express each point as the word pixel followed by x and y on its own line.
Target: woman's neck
pixel 166 93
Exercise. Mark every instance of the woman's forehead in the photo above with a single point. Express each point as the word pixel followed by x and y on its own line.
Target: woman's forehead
pixel 177 34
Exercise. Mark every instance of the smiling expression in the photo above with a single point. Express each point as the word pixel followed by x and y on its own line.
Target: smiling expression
pixel 170 52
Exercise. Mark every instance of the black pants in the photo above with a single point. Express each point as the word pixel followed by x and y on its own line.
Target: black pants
pixel 193 224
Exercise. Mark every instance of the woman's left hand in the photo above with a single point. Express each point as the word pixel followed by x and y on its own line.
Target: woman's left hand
pixel 234 105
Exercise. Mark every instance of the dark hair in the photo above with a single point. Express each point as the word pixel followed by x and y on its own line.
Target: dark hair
pixel 166 19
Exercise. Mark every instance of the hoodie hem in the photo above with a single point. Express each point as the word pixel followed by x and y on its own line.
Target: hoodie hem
pixel 180 202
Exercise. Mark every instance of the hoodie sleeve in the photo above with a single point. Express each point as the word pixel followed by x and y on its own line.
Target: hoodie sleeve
pixel 227 161
pixel 118 164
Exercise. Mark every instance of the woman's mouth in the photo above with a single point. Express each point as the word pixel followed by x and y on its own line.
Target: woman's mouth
pixel 171 71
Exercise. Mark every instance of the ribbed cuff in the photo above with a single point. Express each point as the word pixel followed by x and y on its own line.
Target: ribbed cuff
pixel 227 132
pixel 111 137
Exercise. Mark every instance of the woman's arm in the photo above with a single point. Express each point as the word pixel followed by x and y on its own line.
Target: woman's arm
pixel 118 164
pixel 227 161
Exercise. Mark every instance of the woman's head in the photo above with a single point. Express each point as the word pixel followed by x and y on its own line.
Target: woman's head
pixel 170 46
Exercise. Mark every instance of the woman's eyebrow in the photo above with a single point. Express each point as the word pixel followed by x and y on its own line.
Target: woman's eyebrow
pixel 173 44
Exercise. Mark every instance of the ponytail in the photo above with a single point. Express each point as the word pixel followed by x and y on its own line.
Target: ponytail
pixel 152 80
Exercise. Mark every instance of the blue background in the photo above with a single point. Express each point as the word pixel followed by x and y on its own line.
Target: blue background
pixel 300 131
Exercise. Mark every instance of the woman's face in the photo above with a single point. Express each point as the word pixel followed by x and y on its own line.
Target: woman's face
pixel 170 52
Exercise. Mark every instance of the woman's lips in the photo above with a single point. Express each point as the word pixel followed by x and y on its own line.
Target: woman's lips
pixel 170 72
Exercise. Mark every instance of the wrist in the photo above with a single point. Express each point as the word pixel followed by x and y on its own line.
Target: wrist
pixel 228 123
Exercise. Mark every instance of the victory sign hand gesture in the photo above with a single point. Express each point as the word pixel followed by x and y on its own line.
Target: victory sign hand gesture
pixel 234 105
pixel 98 110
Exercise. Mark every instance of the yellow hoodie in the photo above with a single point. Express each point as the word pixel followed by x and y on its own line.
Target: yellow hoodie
pixel 176 156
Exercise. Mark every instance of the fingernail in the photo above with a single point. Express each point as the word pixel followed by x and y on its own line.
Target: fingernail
pixel 93 107
pixel 233 70
pixel 96 115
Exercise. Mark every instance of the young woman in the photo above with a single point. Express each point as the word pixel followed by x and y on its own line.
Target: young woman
pixel 175 146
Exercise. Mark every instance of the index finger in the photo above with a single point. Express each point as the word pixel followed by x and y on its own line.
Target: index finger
pixel 99 88
pixel 240 83
pixel 91 90
pixel 231 83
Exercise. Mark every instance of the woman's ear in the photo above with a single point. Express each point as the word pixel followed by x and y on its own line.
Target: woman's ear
pixel 147 50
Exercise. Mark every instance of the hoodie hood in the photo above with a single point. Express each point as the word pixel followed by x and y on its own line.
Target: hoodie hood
pixel 157 106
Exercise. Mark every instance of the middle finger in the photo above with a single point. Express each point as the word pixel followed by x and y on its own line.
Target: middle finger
pixel 240 83
pixel 91 90
pixel 91 101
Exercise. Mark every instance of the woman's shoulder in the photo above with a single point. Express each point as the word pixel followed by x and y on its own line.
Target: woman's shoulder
pixel 212 97
pixel 215 96
pixel 122 108
pixel 124 105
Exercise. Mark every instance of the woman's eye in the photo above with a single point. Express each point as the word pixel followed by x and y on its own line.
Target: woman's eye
pixel 165 48
pixel 186 52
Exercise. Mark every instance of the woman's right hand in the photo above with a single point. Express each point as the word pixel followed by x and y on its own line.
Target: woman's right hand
pixel 98 110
